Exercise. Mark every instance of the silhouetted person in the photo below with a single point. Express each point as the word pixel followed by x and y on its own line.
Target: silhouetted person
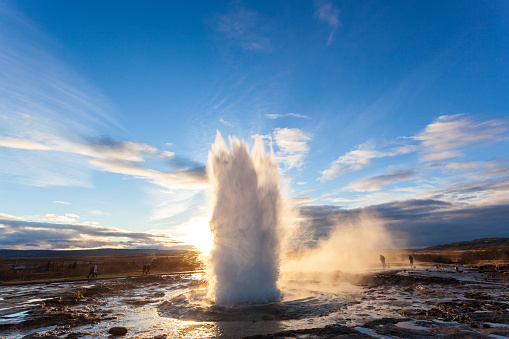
pixel 144 269
pixel 91 273
pixel 382 259
pixel 95 270
pixel 148 269
pixel 411 261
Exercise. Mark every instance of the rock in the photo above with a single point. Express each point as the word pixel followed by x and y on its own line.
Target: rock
pixel 268 317
pixel 45 336
pixel 119 330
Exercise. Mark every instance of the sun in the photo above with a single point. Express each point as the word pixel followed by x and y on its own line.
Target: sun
pixel 196 232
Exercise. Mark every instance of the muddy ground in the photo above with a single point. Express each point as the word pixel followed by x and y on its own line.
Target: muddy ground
pixel 425 302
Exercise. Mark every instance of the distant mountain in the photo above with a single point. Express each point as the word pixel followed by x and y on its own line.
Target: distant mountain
pixel 478 244
pixel 85 253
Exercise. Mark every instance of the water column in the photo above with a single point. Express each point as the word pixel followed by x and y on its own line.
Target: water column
pixel 244 262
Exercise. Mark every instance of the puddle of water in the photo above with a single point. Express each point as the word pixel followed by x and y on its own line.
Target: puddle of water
pixel 371 332
pixel 30 301
pixel 445 322
pixel 410 325
pixel 16 317
pixel 497 336
pixel 497 325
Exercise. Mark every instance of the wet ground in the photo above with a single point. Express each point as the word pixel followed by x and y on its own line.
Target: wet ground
pixel 426 302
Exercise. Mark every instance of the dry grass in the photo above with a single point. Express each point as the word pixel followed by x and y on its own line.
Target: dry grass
pixel 50 268
pixel 465 257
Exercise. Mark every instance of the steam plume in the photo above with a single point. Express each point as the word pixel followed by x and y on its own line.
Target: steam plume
pixel 354 245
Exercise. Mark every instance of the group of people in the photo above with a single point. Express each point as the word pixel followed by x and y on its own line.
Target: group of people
pixel 146 269
pixel 410 258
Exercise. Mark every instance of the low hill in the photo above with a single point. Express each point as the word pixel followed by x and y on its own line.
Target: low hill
pixel 477 244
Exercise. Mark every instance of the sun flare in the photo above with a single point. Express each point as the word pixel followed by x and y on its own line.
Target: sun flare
pixel 197 233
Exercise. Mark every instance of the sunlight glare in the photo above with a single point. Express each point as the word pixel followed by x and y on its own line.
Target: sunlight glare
pixel 197 232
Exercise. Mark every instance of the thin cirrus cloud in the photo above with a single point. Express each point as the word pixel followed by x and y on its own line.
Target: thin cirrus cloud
pixel 328 14
pixel 244 27
pixel 225 122
pixel 444 139
pixel 293 115
pixel 478 191
pixel 293 146
pixel 376 183
pixel 46 107
pixel 470 165
pixel 118 157
pixel 446 136
pixel 360 158
pixel 39 92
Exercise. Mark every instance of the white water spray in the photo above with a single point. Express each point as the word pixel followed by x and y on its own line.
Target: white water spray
pixel 246 223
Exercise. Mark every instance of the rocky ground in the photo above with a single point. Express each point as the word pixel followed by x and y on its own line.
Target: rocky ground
pixel 427 302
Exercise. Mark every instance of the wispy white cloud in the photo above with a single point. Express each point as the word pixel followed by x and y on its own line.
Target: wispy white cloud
pixel 444 139
pixel 302 200
pixel 118 157
pixel 4 216
pixel 328 14
pixel 41 98
pixel 166 154
pixel 376 183
pixel 245 27
pixel 294 115
pixel 99 212
pixel 107 149
pixel 491 173
pixel 293 146
pixel 190 179
pixel 360 158
pixel 50 217
pixel 446 136
pixel 225 123
pixel 61 202
pixel 172 202
pixel 470 165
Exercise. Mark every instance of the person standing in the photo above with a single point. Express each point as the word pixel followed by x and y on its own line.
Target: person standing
pixel 382 259
pixel 95 270
pixel 411 259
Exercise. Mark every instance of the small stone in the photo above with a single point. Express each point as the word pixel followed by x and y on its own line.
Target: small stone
pixel 268 317
pixel 118 330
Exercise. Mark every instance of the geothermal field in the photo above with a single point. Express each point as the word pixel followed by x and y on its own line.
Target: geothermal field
pixel 261 281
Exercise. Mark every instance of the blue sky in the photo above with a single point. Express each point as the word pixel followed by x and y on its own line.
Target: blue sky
pixel 108 111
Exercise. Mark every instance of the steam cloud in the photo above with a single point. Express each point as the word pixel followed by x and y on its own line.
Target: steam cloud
pixel 354 244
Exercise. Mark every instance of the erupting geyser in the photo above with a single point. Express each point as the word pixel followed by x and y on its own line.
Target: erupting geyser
pixel 244 262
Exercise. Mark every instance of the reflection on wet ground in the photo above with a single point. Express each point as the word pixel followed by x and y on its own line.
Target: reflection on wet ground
pixel 427 302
